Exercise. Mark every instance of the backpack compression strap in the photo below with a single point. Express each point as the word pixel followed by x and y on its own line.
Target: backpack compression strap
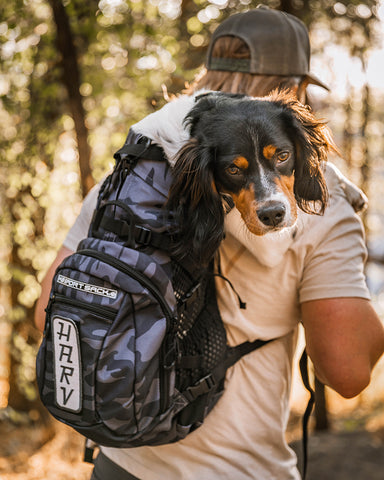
pixel 130 230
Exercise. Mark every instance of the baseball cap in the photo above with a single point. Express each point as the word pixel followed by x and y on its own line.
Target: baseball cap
pixel 278 43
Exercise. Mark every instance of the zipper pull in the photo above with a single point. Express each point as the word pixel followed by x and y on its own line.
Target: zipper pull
pixel 172 351
pixel 48 314
pixel 48 308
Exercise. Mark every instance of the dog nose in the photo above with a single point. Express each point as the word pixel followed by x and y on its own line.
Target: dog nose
pixel 271 214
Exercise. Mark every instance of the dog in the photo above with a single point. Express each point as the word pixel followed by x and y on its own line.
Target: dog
pixel 261 155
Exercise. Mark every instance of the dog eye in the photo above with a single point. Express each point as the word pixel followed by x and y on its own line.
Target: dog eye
pixel 233 170
pixel 283 157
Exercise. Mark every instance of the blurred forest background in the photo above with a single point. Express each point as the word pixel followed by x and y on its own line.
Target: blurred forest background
pixel 74 75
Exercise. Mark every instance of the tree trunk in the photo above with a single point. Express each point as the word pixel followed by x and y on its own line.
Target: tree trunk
pixel 348 130
pixel 23 327
pixel 5 340
pixel 366 166
pixel 301 11
pixel 71 80
pixel 24 335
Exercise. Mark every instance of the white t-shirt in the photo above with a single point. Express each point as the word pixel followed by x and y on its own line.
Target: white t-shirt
pixel 243 438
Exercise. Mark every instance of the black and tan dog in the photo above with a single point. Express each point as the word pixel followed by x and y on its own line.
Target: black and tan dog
pixel 262 155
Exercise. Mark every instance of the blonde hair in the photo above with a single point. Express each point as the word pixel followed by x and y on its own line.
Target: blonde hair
pixel 238 82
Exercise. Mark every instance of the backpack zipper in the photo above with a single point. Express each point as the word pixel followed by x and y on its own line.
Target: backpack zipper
pixel 101 311
pixel 169 316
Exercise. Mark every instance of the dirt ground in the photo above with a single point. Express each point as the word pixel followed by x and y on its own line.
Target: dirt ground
pixel 52 452
pixel 355 455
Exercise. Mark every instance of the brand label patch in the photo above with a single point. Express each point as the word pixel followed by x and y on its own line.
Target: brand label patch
pixel 67 362
pixel 86 287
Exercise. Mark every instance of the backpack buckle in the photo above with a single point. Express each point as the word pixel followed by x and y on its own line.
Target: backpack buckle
pixel 144 236
pixel 204 385
pixel 189 298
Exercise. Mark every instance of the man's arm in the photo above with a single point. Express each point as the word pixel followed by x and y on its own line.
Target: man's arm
pixel 77 232
pixel 345 339
pixel 46 287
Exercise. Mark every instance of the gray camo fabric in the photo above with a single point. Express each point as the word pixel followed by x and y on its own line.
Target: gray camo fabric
pixel 127 396
pixel 119 298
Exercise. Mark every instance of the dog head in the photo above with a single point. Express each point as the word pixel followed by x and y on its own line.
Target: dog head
pixel 261 155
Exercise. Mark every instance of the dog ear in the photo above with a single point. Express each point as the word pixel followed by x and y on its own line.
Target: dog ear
pixel 312 148
pixel 195 203
pixel 313 141
pixel 204 104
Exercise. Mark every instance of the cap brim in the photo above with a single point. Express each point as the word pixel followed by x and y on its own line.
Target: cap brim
pixel 315 81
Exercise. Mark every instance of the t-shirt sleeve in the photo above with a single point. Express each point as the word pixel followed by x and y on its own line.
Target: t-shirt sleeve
pixel 79 229
pixel 334 262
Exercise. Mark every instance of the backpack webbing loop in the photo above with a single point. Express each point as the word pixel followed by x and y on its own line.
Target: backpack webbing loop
pixel 136 234
pixel 131 230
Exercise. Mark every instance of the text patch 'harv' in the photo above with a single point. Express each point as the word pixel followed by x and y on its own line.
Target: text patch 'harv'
pixel 67 362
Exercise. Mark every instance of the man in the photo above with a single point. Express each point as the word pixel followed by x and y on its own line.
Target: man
pixel 312 274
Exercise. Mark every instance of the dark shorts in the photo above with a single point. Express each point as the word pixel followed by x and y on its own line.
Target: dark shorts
pixel 105 469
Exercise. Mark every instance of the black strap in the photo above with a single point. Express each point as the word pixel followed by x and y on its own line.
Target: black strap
pixel 207 383
pixel 305 377
pixel 136 233
pixel 145 150
pixel 130 230
pixel 235 353
pixel 89 449
pixel 242 304
pixel 105 468
pixel 219 274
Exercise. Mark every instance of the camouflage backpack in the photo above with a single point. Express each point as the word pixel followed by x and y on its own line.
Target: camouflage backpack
pixel 134 350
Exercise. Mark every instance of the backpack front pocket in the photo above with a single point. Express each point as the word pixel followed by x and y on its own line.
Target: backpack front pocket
pixel 74 335
pixel 109 367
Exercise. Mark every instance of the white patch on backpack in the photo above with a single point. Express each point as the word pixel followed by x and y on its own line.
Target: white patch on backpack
pixel 67 364
pixel 86 287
